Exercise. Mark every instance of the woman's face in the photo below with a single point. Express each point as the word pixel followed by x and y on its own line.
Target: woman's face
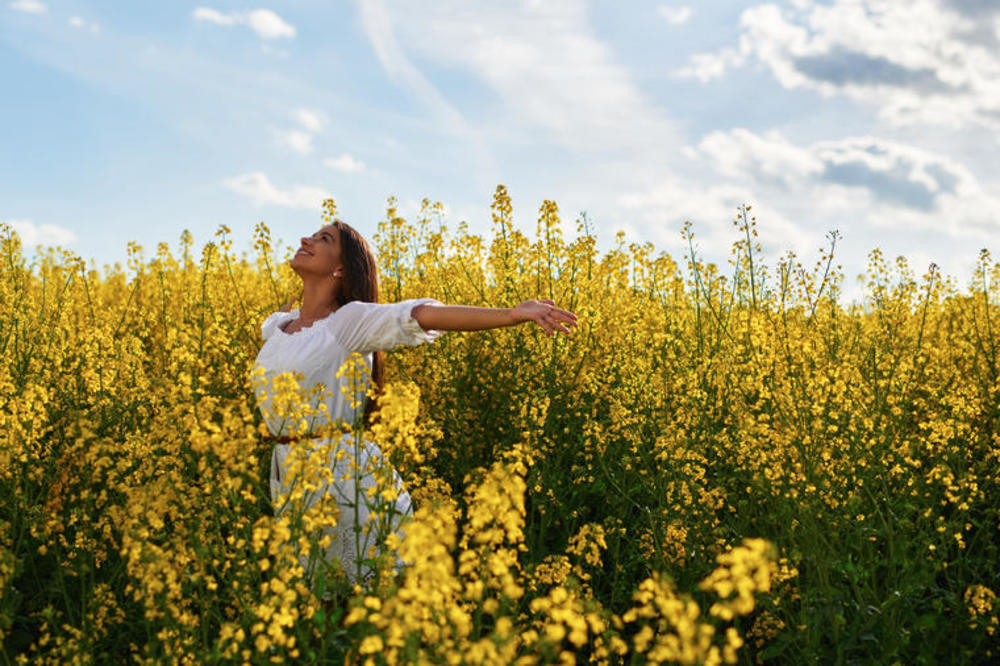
pixel 320 253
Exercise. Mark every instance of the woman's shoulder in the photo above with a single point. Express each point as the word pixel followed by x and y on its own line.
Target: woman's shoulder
pixel 273 320
pixel 357 311
pixel 353 305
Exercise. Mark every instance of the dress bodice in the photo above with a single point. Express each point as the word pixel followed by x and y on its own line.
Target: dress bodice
pixel 318 351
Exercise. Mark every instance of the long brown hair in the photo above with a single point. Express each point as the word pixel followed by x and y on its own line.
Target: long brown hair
pixel 360 283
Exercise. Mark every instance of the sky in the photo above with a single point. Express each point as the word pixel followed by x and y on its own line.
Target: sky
pixel 126 121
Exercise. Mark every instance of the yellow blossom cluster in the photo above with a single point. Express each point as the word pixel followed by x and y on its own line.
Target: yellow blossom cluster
pixel 981 604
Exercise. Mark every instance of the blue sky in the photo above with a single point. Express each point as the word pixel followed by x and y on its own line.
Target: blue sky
pixel 133 121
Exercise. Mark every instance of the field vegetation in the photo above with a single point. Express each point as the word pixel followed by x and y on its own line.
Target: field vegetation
pixel 716 466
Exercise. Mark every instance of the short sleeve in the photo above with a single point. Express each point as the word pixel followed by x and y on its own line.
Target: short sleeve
pixel 271 323
pixel 367 327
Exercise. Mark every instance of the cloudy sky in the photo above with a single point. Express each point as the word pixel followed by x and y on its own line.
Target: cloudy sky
pixel 880 119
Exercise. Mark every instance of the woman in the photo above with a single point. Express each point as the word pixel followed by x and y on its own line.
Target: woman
pixel 340 314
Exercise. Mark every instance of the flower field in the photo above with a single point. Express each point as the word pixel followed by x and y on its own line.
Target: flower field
pixel 715 466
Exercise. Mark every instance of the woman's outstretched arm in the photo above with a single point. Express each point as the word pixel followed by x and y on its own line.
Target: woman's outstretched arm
pixel 474 318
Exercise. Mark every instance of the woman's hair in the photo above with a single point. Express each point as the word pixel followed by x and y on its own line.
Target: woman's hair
pixel 360 283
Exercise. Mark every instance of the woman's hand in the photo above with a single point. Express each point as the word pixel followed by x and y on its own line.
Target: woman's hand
pixel 545 313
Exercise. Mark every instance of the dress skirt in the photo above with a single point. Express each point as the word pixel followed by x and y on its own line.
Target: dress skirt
pixel 347 488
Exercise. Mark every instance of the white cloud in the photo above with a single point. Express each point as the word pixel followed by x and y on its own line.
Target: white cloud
pixel 876 192
pixel 32 234
pixel 739 153
pixel 300 140
pixel 708 66
pixel 674 14
pixel 884 183
pixel 310 119
pixel 662 209
pixel 544 65
pixel 264 22
pixel 269 25
pixel 78 22
pixel 296 140
pixel 29 6
pixel 213 16
pixel 378 27
pixel 912 188
pixel 915 62
pixel 345 163
pixel 258 188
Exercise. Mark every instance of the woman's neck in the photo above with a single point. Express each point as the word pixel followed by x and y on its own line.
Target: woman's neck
pixel 318 299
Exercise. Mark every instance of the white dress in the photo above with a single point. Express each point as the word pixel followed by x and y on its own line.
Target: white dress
pixel 318 352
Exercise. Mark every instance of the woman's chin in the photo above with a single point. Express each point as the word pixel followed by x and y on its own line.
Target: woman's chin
pixel 300 265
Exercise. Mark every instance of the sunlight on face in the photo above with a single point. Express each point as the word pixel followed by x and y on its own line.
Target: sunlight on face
pixel 318 253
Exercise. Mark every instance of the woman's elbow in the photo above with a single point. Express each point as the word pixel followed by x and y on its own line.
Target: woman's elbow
pixel 419 313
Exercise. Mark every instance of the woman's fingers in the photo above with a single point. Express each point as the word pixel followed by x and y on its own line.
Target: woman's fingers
pixel 563 315
pixel 549 323
pixel 550 317
pixel 553 309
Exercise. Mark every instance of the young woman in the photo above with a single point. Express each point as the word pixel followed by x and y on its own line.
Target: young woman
pixel 340 314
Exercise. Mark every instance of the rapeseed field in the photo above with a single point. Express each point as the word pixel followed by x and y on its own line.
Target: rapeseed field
pixel 716 466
